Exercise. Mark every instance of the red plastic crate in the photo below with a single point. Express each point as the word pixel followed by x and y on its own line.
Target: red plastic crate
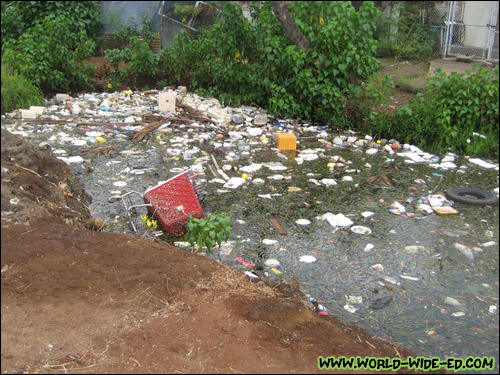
pixel 174 201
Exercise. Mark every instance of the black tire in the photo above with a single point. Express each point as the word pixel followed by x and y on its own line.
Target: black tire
pixel 471 196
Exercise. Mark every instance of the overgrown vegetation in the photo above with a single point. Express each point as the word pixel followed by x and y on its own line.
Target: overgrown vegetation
pixel 140 60
pixel 48 41
pixel 403 35
pixel 457 112
pixel 18 91
pixel 240 62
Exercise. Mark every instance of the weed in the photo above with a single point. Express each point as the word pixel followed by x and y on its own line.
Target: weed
pixel 208 232
pixel 18 91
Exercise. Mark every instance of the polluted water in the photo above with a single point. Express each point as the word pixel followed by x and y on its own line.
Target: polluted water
pixel 351 216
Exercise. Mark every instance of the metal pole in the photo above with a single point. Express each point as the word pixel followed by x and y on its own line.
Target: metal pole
pixel 447 34
pixel 452 23
pixel 491 29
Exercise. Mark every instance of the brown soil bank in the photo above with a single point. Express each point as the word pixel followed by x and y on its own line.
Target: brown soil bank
pixel 79 301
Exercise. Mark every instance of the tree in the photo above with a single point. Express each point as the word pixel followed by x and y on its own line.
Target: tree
pixel 289 26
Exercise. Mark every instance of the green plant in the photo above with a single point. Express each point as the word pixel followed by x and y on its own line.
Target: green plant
pixel 19 16
pixel 18 91
pixel 208 232
pixel 404 36
pixel 242 62
pixel 186 11
pixel 141 61
pixel 458 112
pixel 50 55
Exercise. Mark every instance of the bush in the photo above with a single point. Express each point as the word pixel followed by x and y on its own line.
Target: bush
pixel 49 55
pixel 458 112
pixel 18 91
pixel 141 61
pixel 19 16
pixel 413 40
pixel 240 62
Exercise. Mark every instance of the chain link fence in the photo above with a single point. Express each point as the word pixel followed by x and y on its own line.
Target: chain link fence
pixel 453 28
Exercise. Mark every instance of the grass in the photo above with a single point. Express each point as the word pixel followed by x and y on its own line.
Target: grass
pixel 18 91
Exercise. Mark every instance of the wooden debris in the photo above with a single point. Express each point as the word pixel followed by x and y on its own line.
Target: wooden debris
pixel 278 226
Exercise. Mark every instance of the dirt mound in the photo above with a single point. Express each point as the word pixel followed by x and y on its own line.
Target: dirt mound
pixel 82 301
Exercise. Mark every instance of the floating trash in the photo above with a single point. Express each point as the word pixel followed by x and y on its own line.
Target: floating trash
pixel 397 208
pixel 377 267
pixel 464 250
pixel 358 229
pixel 350 308
pixel 272 262
pixel 307 259
pixel 459 313
pixel 391 280
pixel 337 220
pixel 303 222
pixel 452 301
pixel 369 247
pixel 412 278
pixel 354 299
pixel 380 302
pixel 120 183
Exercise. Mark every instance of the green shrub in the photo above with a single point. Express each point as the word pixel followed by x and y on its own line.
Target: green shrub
pixel 413 40
pixel 18 91
pixel 457 112
pixel 19 16
pixel 240 62
pixel 141 61
pixel 49 55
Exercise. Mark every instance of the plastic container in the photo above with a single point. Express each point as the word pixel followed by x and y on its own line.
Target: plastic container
pixel 286 141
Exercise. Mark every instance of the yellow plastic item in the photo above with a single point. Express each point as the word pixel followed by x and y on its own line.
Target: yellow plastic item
pixel 276 271
pixel 100 139
pixel 286 141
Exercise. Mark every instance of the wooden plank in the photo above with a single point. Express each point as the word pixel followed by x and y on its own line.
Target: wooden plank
pixel 278 226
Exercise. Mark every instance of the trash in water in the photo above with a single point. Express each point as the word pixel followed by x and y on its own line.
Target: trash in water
pixel 464 250
pixel 244 262
pixel 459 313
pixel 350 308
pixel 358 229
pixel 338 220
pixel 378 267
pixel 397 208
pixel 234 182
pixel 307 259
pixel 409 277
pixel 380 302
pixel 354 299
pixel 391 280
pixel 272 262
pixel 445 210
pixel 369 247
pixel 452 301
pixel 303 222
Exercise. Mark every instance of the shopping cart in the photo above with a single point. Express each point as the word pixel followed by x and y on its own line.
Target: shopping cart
pixel 171 202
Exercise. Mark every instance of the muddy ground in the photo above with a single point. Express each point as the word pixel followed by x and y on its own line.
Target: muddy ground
pixel 76 300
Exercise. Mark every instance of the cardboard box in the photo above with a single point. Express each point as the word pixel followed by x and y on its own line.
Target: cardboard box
pixel 286 141
pixel 166 101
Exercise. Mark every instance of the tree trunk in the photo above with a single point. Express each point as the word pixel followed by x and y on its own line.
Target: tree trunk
pixel 289 27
